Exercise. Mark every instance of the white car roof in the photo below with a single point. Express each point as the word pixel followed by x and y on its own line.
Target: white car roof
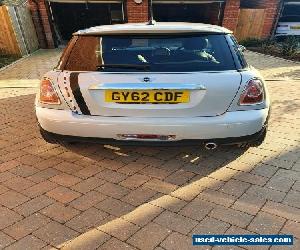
pixel 157 28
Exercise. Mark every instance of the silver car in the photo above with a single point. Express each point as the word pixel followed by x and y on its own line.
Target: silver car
pixel 289 21
pixel 163 82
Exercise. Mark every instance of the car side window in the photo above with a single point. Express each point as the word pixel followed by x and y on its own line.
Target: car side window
pixel 83 56
pixel 238 52
pixel 65 55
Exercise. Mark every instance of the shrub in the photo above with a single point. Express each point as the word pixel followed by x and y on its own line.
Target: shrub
pixel 5 60
pixel 290 46
pixel 251 42
pixel 268 45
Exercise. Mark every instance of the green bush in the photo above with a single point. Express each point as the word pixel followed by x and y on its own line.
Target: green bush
pixel 286 47
pixel 251 42
pixel 268 45
pixel 290 46
pixel 5 60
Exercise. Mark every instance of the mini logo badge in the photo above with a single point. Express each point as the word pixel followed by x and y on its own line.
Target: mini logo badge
pixel 146 79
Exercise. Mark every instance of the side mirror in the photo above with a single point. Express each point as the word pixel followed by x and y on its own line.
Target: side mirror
pixel 242 48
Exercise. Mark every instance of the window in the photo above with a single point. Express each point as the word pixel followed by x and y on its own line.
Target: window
pixel 289 19
pixel 291 10
pixel 239 54
pixel 154 53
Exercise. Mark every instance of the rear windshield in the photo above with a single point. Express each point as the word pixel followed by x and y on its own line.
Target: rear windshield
pixel 291 10
pixel 163 53
pixel 290 19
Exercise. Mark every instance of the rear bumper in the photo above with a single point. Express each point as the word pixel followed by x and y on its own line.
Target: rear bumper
pixel 238 126
pixel 188 142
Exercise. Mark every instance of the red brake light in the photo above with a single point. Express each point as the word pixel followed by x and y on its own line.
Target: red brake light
pixel 47 93
pixel 253 93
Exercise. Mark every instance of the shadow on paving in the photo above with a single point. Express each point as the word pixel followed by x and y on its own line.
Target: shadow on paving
pixel 188 184
pixel 201 193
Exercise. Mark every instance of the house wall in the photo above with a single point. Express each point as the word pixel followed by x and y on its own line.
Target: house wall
pixel 139 13
pixel 232 10
pixel 231 14
pixel 40 16
pixel 271 12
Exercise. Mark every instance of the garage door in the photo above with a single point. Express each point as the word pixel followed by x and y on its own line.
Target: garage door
pixel 197 11
pixel 69 16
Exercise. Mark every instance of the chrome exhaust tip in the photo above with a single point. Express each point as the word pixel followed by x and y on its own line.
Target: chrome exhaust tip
pixel 210 145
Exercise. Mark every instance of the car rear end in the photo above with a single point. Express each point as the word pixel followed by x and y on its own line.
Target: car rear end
pixel 289 22
pixel 162 87
pixel 288 26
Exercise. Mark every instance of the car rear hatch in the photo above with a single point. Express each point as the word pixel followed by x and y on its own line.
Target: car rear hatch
pixel 165 75
pixel 208 93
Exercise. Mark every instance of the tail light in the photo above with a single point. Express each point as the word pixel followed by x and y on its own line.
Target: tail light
pixel 253 93
pixel 48 94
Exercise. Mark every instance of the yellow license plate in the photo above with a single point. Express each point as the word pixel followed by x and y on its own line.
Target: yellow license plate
pixel 295 27
pixel 147 96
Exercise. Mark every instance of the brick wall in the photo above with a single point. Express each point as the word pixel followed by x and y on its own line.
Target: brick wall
pixel 40 16
pixel 231 14
pixel 137 12
pixel 271 12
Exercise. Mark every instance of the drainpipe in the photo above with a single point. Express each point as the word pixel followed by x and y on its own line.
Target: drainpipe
pixel 40 21
pixel 221 13
pixel 150 11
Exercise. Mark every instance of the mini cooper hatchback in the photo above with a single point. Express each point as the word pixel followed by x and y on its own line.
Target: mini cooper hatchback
pixel 162 82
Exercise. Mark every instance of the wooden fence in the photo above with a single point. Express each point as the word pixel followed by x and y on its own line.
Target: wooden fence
pixel 250 24
pixel 18 36
pixel 8 40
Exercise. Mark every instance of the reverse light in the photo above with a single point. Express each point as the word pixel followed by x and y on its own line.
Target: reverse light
pixel 47 93
pixel 253 93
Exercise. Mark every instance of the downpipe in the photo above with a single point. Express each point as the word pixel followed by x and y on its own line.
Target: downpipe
pixel 210 145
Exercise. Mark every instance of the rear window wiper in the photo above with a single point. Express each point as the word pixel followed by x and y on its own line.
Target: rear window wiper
pixel 124 66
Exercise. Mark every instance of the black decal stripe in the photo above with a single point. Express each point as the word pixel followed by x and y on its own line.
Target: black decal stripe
pixel 77 94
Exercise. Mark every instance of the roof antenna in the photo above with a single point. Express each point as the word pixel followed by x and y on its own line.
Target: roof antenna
pixel 151 20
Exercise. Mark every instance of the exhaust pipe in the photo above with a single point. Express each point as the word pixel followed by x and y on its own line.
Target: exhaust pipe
pixel 210 145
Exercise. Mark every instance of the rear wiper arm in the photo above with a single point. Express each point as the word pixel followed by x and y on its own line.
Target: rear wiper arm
pixel 125 66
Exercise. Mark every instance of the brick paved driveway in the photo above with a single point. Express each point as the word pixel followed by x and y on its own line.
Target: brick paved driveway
pixel 107 197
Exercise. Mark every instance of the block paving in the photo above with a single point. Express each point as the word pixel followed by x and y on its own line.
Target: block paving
pixel 92 196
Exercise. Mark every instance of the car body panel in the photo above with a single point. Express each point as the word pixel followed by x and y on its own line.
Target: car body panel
pixel 289 21
pixel 157 28
pixel 230 124
pixel 247 75
pixel 288 28
pixel 204 91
